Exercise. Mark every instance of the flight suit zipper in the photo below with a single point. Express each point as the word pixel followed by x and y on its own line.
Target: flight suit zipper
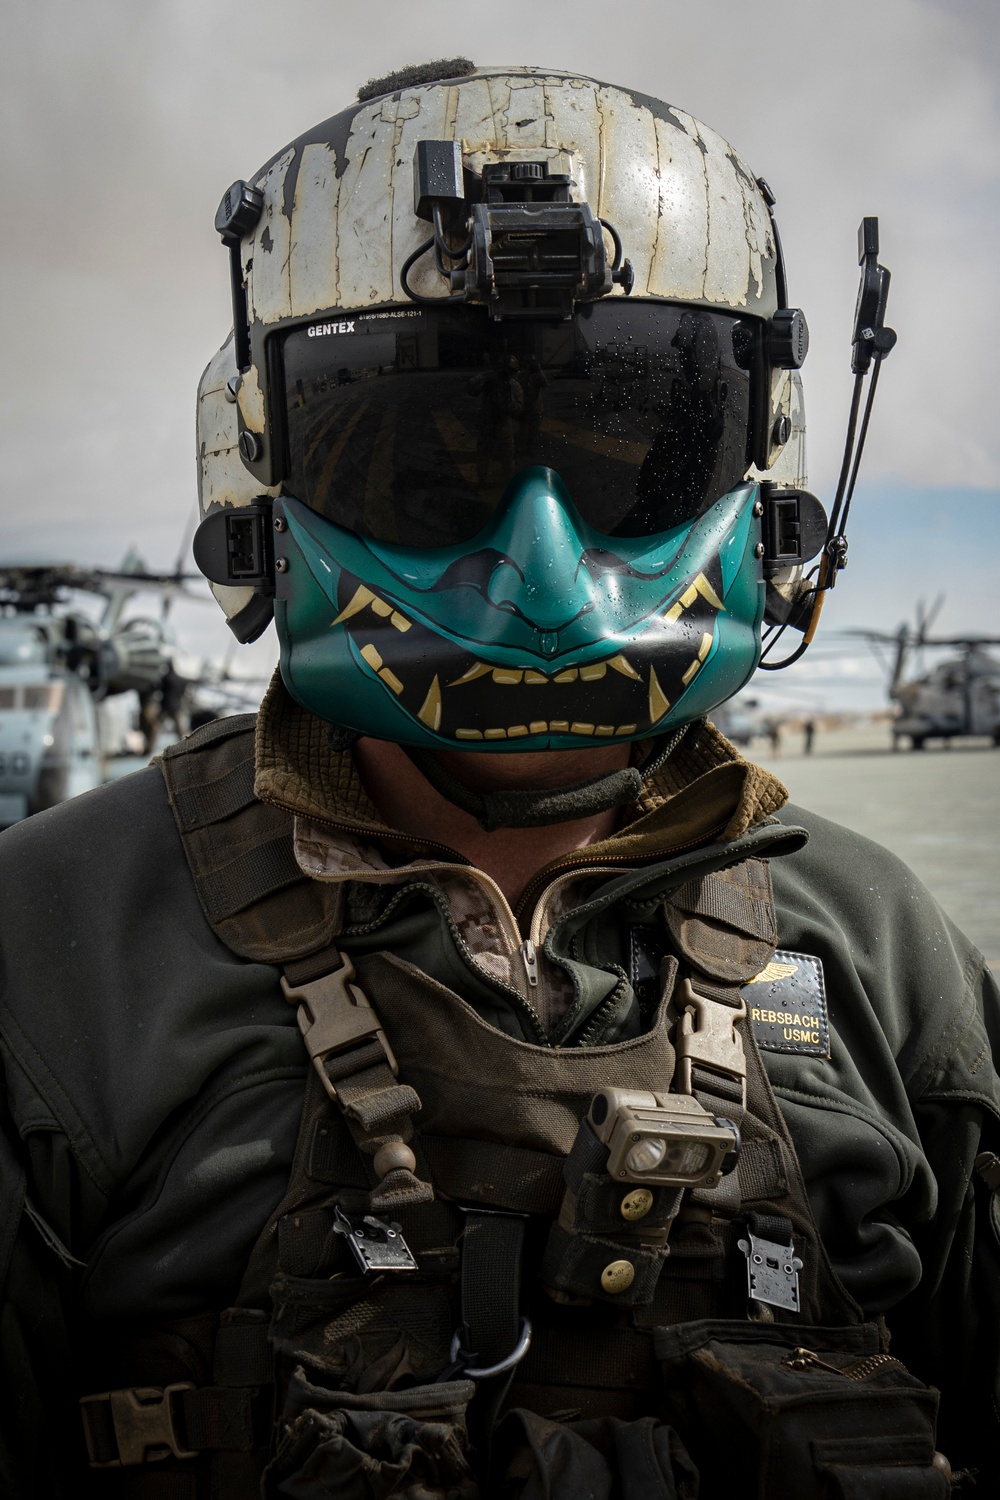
pixel 539 892
pixel 526 948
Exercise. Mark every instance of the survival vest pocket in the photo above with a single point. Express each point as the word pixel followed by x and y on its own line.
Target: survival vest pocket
pixel 540 1458
pixel 814 1413
pixel 409 1443
pixel 363 1333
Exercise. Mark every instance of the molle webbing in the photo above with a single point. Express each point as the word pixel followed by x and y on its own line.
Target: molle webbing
pixel 240 851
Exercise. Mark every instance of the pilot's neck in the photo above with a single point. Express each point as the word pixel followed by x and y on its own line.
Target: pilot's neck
pixel 511 856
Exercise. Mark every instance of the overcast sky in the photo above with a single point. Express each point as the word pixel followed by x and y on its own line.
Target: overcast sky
pixel 123 123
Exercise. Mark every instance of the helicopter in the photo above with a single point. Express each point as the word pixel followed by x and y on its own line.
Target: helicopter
pixel 58 663
pixel 958 697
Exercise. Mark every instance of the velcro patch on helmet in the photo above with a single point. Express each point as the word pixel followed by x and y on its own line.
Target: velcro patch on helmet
pixel 415 75
pixel 786 1003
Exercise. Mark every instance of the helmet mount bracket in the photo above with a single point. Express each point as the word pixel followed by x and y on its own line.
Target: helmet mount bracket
pixel 528 250
pixel 793 527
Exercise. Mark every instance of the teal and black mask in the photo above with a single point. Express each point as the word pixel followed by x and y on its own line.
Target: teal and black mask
pixel 521 538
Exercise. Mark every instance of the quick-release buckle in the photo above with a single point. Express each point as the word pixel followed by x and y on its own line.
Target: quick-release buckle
pixel 335 1018
pixel 707 1037
pixel 772 1272
pixel 144 1422
pixel 377 1246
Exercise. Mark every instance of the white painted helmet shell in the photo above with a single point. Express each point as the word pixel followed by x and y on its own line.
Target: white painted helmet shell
pixel 338 224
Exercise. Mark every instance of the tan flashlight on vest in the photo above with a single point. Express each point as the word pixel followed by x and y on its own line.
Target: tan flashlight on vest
pixel 665 1140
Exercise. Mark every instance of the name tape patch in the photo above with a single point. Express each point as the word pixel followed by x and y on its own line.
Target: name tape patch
pixel 786 1003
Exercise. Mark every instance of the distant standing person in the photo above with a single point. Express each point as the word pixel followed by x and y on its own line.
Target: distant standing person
pixel 500 406
pixel 774 736
pixel 533 384
pixel 809 731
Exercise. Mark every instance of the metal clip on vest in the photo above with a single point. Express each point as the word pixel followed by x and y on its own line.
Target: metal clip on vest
pixel 772 1267
pixel 376 1246
pixel 357 1069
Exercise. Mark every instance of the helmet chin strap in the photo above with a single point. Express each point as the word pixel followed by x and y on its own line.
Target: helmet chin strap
pixel 535 808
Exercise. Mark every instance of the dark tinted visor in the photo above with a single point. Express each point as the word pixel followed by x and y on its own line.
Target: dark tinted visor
pixel 407 426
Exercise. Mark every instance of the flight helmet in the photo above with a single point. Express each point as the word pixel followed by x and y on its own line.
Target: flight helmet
pixel 509 416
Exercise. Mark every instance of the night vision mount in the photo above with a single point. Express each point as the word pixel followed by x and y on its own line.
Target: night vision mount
pixel 511 239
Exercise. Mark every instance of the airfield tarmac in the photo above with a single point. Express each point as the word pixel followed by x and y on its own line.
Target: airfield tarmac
pixel 938 809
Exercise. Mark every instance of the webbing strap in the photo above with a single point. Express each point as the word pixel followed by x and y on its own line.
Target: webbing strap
pixel 491 1301
pixel 357 1069
pixel 491 1285
pixel 242 1355
pixel 722 899
pixel 772 1227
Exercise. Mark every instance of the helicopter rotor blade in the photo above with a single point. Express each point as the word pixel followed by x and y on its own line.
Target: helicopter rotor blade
pixel 933 613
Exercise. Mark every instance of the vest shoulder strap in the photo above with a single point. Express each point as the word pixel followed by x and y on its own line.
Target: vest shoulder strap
pixel 240 850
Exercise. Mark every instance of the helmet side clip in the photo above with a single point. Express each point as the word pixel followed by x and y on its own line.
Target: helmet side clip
pixel 234 546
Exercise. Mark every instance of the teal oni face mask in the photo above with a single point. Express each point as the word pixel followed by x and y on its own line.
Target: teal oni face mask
pixel 538 634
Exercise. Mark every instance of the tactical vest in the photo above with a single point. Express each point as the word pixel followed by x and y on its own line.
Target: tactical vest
pixel 455 1296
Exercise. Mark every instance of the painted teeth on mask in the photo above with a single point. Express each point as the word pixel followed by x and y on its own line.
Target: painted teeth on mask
pixel 546 726
pixel 512 677
pixel 619 664
pixel 431 710
pixel 430 713
pixel 478 669
pixel 700 586
pixel 658 700
pixel 703 650
pixel 374 660
pixel 363 598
